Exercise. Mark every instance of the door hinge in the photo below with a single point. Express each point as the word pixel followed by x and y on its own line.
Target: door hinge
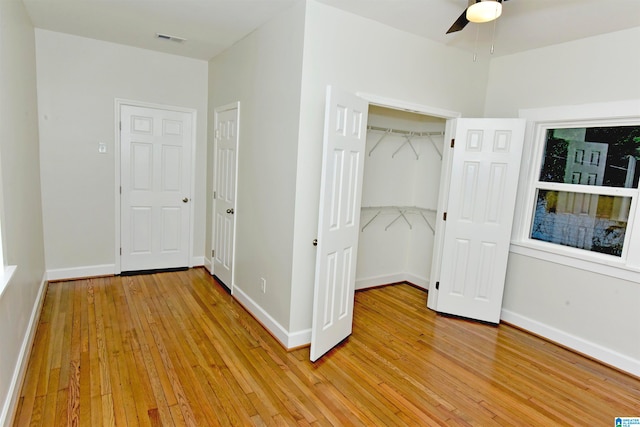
pixel 121 251
pixel 121 189
pixel 217 134
pixel 120 125
pixel 215 194
pixel 444 216
pixel 453 142
pixel 437 285
pixel 213 253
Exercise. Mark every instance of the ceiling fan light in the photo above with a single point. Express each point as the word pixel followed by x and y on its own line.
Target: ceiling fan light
pixel 484 11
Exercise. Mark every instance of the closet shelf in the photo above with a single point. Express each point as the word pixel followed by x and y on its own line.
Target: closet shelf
pixel 399 212
pixel 409 136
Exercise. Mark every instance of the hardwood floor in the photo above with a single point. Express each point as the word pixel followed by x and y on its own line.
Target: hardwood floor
pixel 176 349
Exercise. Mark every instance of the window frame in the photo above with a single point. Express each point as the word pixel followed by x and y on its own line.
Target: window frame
pixel 623 113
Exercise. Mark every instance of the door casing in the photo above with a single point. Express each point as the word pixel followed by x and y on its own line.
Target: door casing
pixel 445 174
pixel 119 102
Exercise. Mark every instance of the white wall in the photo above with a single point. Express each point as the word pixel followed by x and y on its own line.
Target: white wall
pixel 263 72
pixel 593 313
pixel 360 55
pixel 20 204
pixel 595 69
pixel 78 82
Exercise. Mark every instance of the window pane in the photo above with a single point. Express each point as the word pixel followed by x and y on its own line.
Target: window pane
pixel 603 156
pixel 587 221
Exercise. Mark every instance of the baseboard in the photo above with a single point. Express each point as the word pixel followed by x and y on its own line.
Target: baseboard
pixel 100 270
pixel 13 394
pixel 287 339
pixel 81 272
pixel 197 261
pixel 580 345
pixel 299 339
pixel 208 264
pixel 371 282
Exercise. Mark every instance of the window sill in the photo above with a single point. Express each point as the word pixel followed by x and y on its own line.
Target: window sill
pixel 5 277
pixel 616 269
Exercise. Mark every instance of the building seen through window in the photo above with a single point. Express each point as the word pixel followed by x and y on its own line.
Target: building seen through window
pixel 593 219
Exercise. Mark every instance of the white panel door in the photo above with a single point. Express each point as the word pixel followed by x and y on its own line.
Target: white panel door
pixel 339 219
pixel 479 216
pixel 155 167
pixel 226 130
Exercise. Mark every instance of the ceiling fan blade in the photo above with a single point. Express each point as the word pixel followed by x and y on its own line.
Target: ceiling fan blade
pixel 462 20
pixel 460 23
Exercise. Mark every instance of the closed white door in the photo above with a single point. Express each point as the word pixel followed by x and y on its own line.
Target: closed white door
pixel 479 214
pixel 226 143
pixel 339 219
pixel 155 179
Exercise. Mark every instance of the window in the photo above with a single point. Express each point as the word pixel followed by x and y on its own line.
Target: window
pixel 580 196
pixel 593 218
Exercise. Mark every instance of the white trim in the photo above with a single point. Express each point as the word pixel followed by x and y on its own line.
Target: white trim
pixel 208 265
pixel 287 339
pixel 299 338
pixel 119 102
pixel 450 116
pixel 397 104
pixel 575 260
pixel 591 349
pixel 621 113
pixel 81 272
pixel 5 277
pixel 13 393
pixel 595 111
pixel 197 261
pixel 372 282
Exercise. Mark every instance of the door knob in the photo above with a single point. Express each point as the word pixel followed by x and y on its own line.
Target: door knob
pixel 230 211
pixel 315 242
pixel 185 200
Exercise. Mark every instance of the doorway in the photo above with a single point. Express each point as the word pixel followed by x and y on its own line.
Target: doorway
pixel 470 256
pixel 402 169
pixel 154 166
pixel 339 230
pixel 226 128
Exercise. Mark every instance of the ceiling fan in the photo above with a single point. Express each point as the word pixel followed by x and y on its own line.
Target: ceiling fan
pixel 478 11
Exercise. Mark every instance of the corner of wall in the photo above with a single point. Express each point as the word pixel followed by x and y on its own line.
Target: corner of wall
pixel 9 407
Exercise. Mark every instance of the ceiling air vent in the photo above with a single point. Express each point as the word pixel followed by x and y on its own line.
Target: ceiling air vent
pixel 170 38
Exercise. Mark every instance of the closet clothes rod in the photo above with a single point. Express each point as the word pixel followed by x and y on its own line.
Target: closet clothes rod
pixel 407 134
pixel 401 212
pixel 403 132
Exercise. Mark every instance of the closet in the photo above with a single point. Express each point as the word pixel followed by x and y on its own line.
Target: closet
pixel 402 172
pixel 396 187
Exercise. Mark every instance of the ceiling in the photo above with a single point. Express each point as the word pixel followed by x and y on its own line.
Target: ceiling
pixel 211 26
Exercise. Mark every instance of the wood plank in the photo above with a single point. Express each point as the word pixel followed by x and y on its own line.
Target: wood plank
pixel 163 389
pixel 113 343
pixel 51 399
pixel 92 370
pixel 51 305
pixel 176 349
pixel 101 344
pixel 108 413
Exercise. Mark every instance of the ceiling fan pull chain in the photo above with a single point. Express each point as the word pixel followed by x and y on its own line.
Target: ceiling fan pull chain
pixel 493 36
pixel 475 48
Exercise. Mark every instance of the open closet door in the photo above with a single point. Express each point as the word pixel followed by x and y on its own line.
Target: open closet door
pixel 339 219
pixel 478 217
